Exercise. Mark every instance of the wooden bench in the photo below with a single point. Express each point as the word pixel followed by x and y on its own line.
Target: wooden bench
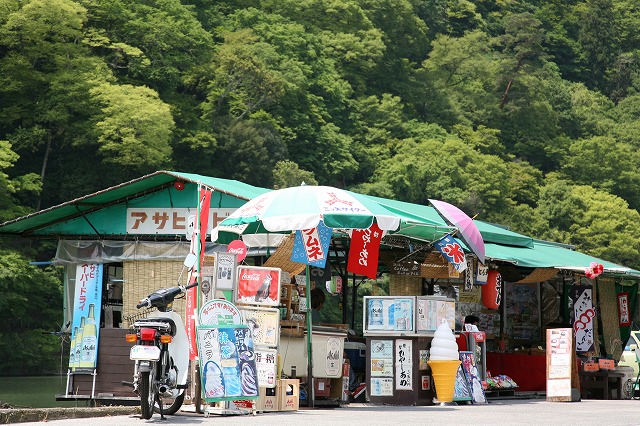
pixel 590 380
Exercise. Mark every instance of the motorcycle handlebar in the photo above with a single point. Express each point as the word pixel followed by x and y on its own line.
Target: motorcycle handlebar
pixel 163 297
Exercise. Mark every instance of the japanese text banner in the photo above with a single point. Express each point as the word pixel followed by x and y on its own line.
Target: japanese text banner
pixel 311 246
pixel 364 250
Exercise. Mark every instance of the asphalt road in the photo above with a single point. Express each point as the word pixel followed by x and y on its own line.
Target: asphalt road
pixel 501 412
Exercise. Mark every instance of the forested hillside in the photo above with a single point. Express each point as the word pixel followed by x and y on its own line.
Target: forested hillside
pixel 523 112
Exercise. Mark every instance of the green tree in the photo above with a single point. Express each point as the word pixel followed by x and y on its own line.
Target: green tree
pixel 287 174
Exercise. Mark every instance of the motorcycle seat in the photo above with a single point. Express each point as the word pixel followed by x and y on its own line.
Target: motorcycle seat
pixel 165 320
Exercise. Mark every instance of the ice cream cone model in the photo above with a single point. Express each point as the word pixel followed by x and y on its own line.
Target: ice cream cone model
pixel 444 361
pixel 444 378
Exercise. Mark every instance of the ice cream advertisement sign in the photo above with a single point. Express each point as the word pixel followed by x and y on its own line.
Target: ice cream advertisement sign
pixel 228 363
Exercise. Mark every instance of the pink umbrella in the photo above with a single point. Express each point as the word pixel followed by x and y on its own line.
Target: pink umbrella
pixel 467 230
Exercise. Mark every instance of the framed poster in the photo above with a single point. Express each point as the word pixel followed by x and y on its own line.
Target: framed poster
pixel 258 285
pixel 473 377
pixel 431 310
pixel 388 314
pixel 227 362
pixel 264 324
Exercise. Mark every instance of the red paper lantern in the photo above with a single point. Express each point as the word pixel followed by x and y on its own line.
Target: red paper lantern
pixel 178 185
pixel 491 291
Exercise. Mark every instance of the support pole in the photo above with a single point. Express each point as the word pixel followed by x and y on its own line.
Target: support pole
pixel 310 387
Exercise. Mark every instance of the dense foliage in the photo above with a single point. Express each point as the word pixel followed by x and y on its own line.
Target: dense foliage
pixel 524 112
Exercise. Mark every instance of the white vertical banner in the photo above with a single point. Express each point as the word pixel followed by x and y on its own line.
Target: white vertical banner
pixel 404 364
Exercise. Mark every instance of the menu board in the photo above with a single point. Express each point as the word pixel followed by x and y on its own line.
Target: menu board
pixel 388 314
pixel 559 356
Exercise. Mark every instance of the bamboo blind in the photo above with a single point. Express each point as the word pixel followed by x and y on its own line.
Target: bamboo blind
pixel 142 277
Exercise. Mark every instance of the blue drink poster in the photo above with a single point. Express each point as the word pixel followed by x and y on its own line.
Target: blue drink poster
pixel 388 313
pixel 87 304
pixel 227 363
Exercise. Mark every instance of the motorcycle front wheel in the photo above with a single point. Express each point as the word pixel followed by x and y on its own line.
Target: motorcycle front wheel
pixel 148 394
pixel 170 405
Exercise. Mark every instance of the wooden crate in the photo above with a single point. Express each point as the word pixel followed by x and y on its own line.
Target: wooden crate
pixel 288 394
pixel 267 403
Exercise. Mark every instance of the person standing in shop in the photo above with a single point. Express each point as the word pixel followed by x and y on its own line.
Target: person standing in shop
pixel 317 301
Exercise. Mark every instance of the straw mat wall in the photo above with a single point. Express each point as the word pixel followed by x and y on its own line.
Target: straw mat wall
pixel 404 285
pixel 609 311
pixel 142 277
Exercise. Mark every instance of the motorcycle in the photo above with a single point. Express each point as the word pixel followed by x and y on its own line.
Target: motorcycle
pixel 160 353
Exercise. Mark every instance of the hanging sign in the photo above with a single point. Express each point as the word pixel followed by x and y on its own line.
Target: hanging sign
pixel 311 246
pixel 624 317
pixel 584 315
pixel 452 251
pixel 482 273
pixel 411 269
pixel 364 250
pixel 238 248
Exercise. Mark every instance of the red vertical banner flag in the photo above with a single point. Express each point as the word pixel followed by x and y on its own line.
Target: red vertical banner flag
pixel 364 251
pixel 202 225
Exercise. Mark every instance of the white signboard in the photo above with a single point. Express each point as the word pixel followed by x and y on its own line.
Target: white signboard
pixel 151 221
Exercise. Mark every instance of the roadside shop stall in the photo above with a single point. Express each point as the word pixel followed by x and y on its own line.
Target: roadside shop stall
pixel 134 238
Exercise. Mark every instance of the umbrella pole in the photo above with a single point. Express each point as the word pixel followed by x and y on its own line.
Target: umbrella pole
pixel 310 387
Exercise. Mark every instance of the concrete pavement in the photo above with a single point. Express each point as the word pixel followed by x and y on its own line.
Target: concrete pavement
pixel 495 413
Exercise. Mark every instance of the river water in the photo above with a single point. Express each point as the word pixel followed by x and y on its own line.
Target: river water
pixel 35 392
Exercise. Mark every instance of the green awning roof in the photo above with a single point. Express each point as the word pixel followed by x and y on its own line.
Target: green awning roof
pixel 425 223
pixel 48 222
pixel 550 255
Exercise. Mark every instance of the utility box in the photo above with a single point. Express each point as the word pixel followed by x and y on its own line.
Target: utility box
pixel 357 354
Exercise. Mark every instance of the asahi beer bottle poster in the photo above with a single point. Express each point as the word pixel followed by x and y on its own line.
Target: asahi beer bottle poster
pixel 87 304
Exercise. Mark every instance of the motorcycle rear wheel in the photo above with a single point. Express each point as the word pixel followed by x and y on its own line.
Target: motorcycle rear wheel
pixel 170 406
pixel 148 394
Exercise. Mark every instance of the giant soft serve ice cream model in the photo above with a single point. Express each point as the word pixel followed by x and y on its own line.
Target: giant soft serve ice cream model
pixel 444 361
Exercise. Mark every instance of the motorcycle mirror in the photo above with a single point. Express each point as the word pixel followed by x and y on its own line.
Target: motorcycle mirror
pixel 190 260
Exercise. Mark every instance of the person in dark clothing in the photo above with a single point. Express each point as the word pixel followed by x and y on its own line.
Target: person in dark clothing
pixel 471 319
pixel 317 300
